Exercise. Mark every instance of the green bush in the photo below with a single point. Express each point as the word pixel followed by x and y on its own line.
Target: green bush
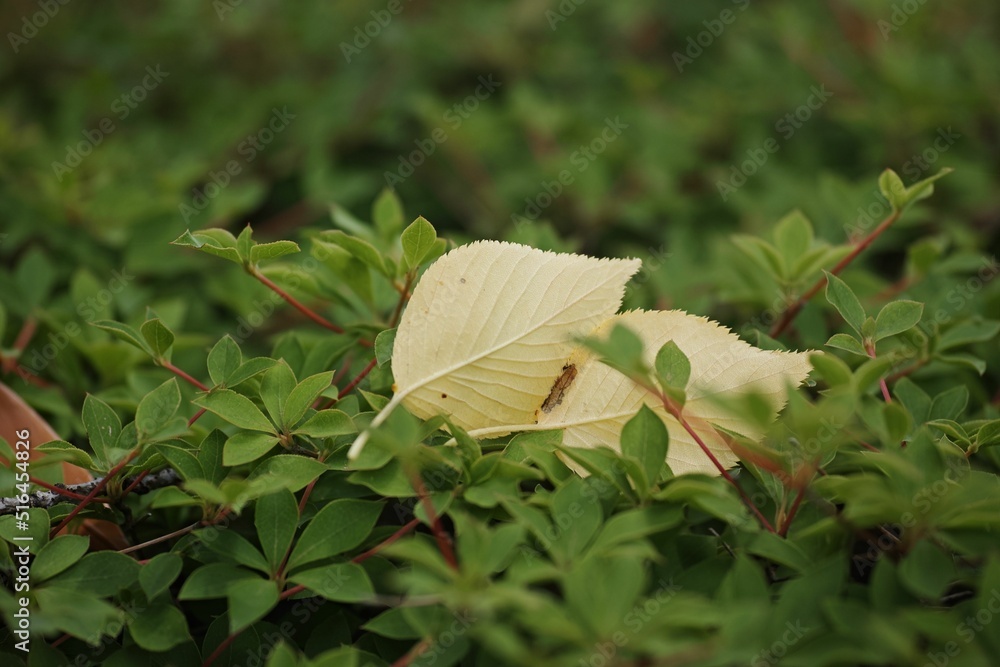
pixel 213 375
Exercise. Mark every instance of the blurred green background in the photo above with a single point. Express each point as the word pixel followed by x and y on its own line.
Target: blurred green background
pixel 123 124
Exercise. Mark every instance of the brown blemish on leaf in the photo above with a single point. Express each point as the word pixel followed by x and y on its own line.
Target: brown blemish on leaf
pixel 559 388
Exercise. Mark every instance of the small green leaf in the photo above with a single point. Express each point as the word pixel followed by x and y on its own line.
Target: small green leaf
pixel 383 346
pixel 925 188
pixel 210 456
pixel 64 451
pixel 844 300
pixel 158 573
pixel 102 573
pixel 305 394
pixel 340 526
pixel 673 370
pixel 848 343
pixel 159 627
pixel 218 242
pixel 244 242
pixel 622 350
pixel 892 188
pixel 341 582
pixel 418 240
pixel 212 581
pixel 327 424
pixel 274 391
pixel 157 408
pixel 102 424
pixel 232 546
pixel 359 248
pixel 58 555
pixel 245 447
pixel 793 236
pixel 387 213
pixel 249 601
pixel 159 338
pixel 950 404
pixel 276 516
pixel 182 460
pixel 644 439
pixel 897 317
pixel 223 359
pixel 249 369
pixel 236 409
pixel 124 332
pixel 262 252
pixel 288 471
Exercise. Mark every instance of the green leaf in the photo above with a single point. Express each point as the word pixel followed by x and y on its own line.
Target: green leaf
pixel 950 404
pixel 576 510
pixel 158 573
pixel 249 369
pixel 58 555
pixel 644 439
pixel 914 399
pixel 359 248
pixel 124 332
pixel 39 524
pixel 274 391
pixel 182 460
pixel 897 317
pixel 340 582
pixel 210 456
pixel 158 407
pixel 793 236
pixel 276 516
pixel 927 571
pixel 340 526
pixel 970 331
pixel 236 409
pixel 232 547
pixel 292 472
pixel 159 338
pixel 249 601
pixel 848 343
pixel 892 188
pixel 77 613
pixel 304 395
pixel 218 242
pixel 64 451
pixel 262 252
pixel 673 370
pixel 765 255
pixel 602 590
pixel 387 213
pixel 925 188
pixel 384 342
pixel 212 581
pixel 418 240
pixel 159 627
pixel 244 242
pixel 245 447
pixel 102 424
pixel 632 525
pixel 223 359
pixel 102 573
pixel 843 299
pixel 327 424
pixel 623 351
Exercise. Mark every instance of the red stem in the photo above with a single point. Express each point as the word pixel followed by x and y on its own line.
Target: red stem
pixel 443 542
pixel 196 417
pixel 55 489
pixel 357 380
pixel 792 511
pixel 295 303
pixel 89 498
pixel 792 312
pixel 220 649
pixel 134 483
pixel 413 653
pixel 181 374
